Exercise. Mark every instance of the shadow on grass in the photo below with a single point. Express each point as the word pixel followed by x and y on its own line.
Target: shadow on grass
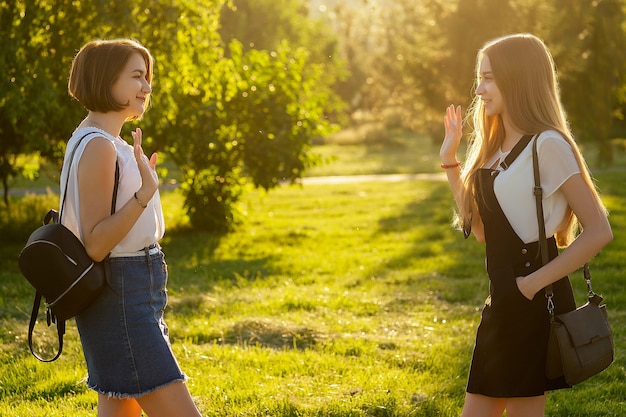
pixel 439 260
pixel 196 270
pixel 195 266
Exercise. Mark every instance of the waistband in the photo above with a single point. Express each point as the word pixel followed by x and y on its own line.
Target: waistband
pixel 147 251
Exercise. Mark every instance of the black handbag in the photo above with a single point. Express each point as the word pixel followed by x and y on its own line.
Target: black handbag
pixel 56 264
pixel 580 344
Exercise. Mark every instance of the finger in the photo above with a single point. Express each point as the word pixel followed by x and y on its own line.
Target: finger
pixel 448 119
pixel 137 135
pixel 446 124
pixel 452 119
pixel 153 160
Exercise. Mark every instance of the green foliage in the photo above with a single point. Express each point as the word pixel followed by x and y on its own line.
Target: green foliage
pixel 235 103
pixel 281 106
pixel 210 199
pixel 427 56
pixel 251 118
pixel 222 115
pixel 23 215
pixel 247 21
pixel 591 55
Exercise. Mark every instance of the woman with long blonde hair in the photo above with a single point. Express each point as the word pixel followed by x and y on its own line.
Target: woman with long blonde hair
pixel 517 102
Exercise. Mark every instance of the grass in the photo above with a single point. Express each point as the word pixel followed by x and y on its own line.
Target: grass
pixel 331 300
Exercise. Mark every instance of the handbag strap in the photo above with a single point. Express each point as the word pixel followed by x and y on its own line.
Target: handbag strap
pixel 543 241
pixel 55 217
pixel 538 193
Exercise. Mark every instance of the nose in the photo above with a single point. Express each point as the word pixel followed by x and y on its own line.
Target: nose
pixel 480 89
pixel 146 87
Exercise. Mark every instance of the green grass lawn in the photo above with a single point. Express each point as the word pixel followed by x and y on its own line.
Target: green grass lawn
pixel 331 300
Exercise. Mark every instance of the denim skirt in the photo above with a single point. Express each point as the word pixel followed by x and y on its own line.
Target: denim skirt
pixel 124 337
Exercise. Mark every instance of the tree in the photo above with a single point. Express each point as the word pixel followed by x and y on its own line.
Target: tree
pixel 430 50
pixel 592 63
pixel 40 38
pixel 254 116
pixel 27 120
pixel 226 116
pixel 428 57
pixel 247 21
pixel 235 115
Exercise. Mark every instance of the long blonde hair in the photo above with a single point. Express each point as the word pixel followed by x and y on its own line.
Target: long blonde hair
pixel 524 71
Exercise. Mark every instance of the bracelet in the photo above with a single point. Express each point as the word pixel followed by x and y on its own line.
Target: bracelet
pixel 457 164
pixel 139 201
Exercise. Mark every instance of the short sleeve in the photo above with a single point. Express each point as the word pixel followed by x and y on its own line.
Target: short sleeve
pixel 557 161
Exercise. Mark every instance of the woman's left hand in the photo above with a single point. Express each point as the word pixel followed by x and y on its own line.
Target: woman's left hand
pixel 147 167
pixel 522 285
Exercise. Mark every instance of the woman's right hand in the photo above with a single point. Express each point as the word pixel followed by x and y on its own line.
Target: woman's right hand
pixel 453 123
pixel 147 169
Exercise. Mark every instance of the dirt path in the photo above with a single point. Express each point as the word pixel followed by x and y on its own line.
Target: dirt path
pixel 343 179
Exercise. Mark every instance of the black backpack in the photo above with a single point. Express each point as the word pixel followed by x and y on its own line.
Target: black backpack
pixel 56 263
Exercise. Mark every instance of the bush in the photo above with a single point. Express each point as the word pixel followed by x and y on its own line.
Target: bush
pixel 25 214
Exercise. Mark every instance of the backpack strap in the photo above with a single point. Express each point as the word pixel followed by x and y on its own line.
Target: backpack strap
pixel 517 149
pixel 67 178
pixel 115 186
pixel 54 216
pixel 51 319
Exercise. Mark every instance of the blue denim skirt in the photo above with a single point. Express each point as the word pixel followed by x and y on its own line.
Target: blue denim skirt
pixel 124 337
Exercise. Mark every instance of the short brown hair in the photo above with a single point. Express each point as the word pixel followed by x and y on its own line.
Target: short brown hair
pixel 97 66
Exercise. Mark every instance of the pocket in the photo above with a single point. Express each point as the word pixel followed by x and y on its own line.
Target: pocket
pixel 506 295
pixel 518 294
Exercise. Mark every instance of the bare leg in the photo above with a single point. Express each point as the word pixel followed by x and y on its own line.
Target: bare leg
pixel 114 407
pixel 481 406
pixel 526 407
pixel 171 400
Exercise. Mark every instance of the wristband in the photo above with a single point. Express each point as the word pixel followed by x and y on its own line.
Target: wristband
pixel 457 164
pixel 139 201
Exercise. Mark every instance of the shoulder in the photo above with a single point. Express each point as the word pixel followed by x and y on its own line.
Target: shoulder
pixel 557 160
pixel 551 141
pixel 91 138
pixel 100 146
pixel 96 147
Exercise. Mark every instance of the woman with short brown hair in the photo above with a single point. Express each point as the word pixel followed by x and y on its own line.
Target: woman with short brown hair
pixel 124 336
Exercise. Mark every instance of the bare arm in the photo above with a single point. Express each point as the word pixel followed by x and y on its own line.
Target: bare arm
pixel 595 236
pixel 453 123
pixel 96 172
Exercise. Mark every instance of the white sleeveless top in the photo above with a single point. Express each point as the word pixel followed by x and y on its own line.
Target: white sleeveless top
pixel 148 229
pixel 513 187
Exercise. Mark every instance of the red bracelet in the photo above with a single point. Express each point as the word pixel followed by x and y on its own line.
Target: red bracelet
pixel 457 164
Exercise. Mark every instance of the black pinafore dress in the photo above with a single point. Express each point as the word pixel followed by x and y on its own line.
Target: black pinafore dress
pixel 510 353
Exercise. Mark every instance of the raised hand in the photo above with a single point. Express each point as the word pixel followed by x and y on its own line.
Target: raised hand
pixel 147 167
pixel 453 123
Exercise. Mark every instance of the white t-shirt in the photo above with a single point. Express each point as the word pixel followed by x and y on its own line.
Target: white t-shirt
pixel 148 229
pixel 513 187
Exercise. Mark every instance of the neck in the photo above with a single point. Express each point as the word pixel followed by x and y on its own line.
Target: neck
pixel 109 122
pixel 511 136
